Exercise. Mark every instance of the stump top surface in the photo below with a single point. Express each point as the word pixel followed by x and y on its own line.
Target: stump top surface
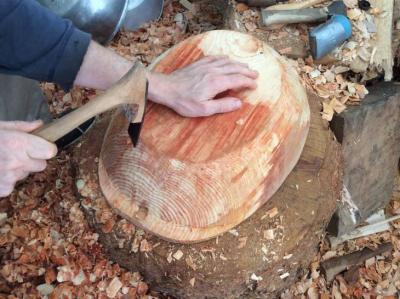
pixel 191 179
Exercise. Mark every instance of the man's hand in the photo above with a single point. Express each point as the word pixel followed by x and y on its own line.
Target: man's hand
pixel 21 153
pixel 190 91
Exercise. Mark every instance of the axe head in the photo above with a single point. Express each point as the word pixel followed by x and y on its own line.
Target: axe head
pixel 135 114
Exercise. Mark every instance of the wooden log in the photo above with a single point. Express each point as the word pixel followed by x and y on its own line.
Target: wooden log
pixel 191 179
pixel 370 137
pixel 260 257
pixel 332 267
pixel 383 44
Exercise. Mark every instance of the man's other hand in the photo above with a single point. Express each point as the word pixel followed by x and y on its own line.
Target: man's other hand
pixel 21 153
pixel 190 91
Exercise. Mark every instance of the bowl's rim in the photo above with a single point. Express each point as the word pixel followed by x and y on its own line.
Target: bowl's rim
pixel 119 23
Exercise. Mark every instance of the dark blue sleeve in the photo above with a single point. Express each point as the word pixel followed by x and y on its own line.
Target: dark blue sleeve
pixel 37 44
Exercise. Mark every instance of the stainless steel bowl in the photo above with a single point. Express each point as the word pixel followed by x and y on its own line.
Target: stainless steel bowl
pixel 101 18
pixel 142 11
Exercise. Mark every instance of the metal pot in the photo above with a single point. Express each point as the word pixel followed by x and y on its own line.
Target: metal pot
pixel 101 18
pixel 142 11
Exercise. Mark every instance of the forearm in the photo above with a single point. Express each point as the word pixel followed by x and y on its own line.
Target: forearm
pixel 102 67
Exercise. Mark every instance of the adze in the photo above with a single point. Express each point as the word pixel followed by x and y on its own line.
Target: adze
pixel 130 90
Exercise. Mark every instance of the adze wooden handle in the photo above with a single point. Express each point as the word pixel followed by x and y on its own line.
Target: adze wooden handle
pixel 295 5
pixel 305 15
pixel 130 89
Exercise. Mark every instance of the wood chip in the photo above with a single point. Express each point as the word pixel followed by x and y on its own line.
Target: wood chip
pixel 234 232
pixel 327 111
pixel 114 287
pixel 187 4
pixel 284 275
pixel 269 234
pixel 145 246
pixel 189 261
pixel 222 257
pixel 192 281
pixel 178 255
pixel 242 242
pixel 169 258
pixel 45 289
pixel 3 218
pixel 351 3
pixel 255 277
pixel 272 212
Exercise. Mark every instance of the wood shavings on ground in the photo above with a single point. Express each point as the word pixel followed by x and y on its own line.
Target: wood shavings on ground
pixel 377 277
pixel 46 246
pixel 338 78
pixel 48 249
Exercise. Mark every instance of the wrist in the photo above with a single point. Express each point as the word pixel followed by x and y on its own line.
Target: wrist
pixel 159 90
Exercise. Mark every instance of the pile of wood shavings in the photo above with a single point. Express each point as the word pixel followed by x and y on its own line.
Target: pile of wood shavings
pixel 330 84
pixel 358 52
pixel 339 78
pixel 48 249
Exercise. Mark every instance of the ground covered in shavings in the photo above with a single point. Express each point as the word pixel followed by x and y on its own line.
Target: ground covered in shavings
pixel 48 249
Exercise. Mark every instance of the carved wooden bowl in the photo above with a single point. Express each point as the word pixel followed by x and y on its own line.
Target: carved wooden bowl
pixel 191 179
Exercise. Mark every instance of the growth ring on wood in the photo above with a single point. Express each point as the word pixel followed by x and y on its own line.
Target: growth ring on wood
pixel 191 179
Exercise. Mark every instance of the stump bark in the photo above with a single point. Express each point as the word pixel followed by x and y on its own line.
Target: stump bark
pixel 260 257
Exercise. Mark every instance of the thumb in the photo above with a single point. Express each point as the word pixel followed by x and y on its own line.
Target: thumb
pixel 23 126
pixel 222 105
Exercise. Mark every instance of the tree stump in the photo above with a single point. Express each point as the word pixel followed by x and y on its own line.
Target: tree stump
pixel 261 256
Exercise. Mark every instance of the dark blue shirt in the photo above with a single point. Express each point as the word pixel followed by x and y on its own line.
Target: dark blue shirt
pixel 37 44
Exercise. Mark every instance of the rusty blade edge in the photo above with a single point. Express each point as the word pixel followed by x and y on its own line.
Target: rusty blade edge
pixel 135 127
